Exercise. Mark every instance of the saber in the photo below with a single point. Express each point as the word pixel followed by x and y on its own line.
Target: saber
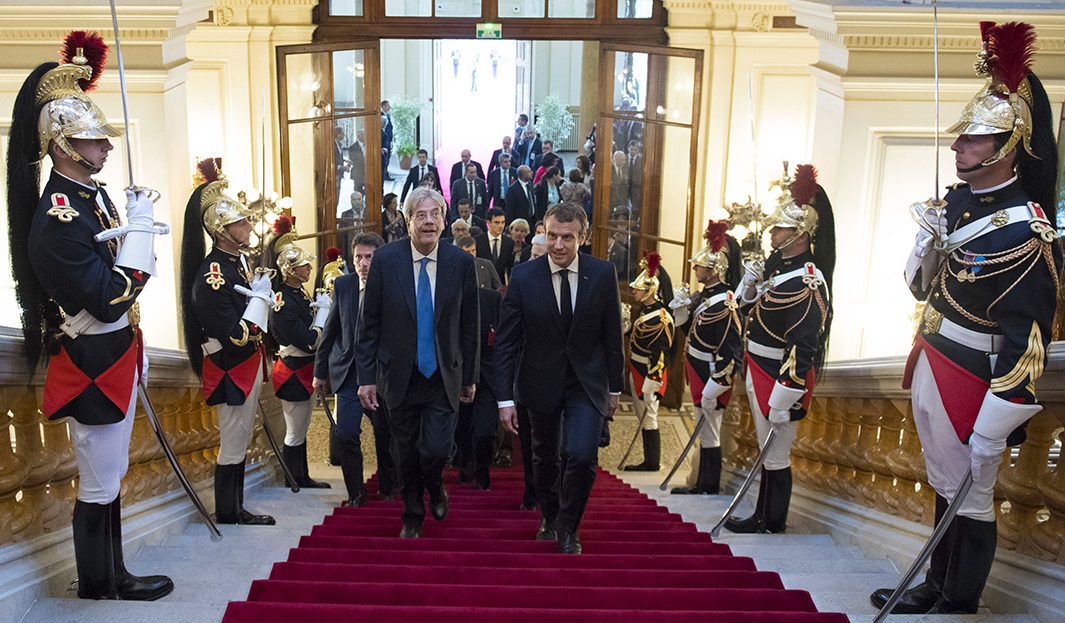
pixel 122 89
pixel 161 436
pixel 684 453
pixel 639 425
pixel 926 551
pixel 745 486
pixel 328 411
pixel 277 451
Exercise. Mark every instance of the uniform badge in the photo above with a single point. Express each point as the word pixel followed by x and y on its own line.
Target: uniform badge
pixel 61 208
pixel 1000 218
pixel 214 276
pixel 279 301
pixel 84 195
pixel 730 300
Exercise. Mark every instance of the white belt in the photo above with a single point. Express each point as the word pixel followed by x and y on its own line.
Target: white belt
pixel 83 323
pixel 987 224
pixel 987 342
pixel 293 351
pixel 764 351
pixel 695 353
pixel 211 346
pixel 639 359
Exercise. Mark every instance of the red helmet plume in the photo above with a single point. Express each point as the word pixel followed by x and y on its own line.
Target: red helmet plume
pixel 284 224
pixel 331 254
pixel 804 186
pixel 654 260
pixel 715 235
pixel 1012 46
pixel 89 46
pixel 210 169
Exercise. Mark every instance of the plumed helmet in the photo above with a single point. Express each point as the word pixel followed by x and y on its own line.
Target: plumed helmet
pixel 333 268
pixel 648 277
pixel 290 255
pixel 1004 104
pixel 65 109
pixel 217 209
pixel 795 207
pixel 714 255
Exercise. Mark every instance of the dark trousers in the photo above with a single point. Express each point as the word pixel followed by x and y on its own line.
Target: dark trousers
pixel 565 450
pixel 349 424
pixel 423 435
pixel 528 497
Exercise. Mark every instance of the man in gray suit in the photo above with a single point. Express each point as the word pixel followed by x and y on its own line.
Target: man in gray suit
pixel 419 348
pixel 487 275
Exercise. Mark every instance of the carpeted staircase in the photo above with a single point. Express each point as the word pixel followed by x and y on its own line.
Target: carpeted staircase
pixel 640 563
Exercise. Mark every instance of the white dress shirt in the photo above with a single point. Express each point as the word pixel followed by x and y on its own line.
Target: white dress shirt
pixel 429 268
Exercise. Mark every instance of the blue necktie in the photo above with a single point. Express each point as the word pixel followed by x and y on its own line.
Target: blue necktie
pixel 426 339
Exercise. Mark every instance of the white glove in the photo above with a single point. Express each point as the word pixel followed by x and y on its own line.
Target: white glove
pixel 779 417
pixel 937 220
pixel 711 391
pixel 650 386
pixel 782 401
pixel 986 456
pixel 322 303
pixel 680 304
pixel 752 281
pixel 144 366
pixel 260 301
pixel 137 250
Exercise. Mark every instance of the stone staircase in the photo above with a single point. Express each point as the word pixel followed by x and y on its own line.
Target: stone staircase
pixel 208 575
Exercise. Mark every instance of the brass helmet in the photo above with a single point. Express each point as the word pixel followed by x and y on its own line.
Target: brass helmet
pixel 1005 103
pixel 715 254
pixel 66 110
pixel 290 255
pixel 794 207
pixel 217 209
pixel 648 277
pixel 333 268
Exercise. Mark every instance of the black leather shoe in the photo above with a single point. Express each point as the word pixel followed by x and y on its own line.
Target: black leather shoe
pixel 944 606
pixel 751 525
pixel 356 501
pixel 527 506
pixel 439 506
pixel 391 495
pixel 410 531
pixel 688 491
pixel 147 588
pixel 918 600
pixel 546 531
pixel 569 543
pixel 244 518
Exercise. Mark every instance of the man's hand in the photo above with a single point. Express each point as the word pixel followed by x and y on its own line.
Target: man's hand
pixel 321 386
pixel 509 417
pixel 368 397
pixel 466 397
pixel 779 417
pixel 613 406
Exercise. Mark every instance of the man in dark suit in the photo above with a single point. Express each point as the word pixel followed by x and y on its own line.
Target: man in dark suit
pixel 465 213
pixel 496 246
pixel 499 181
pixel 519 197
pixel 635 169
pixel 340 163
pixel 528 148
pixel 493 164
pixel 386 139
pixel 459 168
pixel 548 147
pixel 487 277
pixel 417 172
pixel 418 346
pixel 471 188
pixel 619 185
pixel 334 371
pixel 559 353
pixel 357 156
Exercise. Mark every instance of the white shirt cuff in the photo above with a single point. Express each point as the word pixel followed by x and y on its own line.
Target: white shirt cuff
pixel 615 393
pixel 505 403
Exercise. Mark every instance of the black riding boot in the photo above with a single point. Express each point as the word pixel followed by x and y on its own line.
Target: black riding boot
pixel 755 524
pixel 709 480
pixel 303 477
pixel 290 457
pixel 778 500
pixel 128 586
pixel 92 550
pixel 652 453
pixel 921 598
pixel 970 564
pixel 226 498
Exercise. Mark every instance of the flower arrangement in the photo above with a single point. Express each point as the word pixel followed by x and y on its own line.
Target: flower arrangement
pixel 553 121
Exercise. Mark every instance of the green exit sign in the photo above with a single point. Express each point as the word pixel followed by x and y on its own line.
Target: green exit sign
pixel 489 31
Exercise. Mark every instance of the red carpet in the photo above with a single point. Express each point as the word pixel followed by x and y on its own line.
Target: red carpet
pixel 482 564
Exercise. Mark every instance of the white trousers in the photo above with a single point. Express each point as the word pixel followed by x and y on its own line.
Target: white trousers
pixel 946 458
pixel 102 454
pixel 779 456
pixel 297 421
pixel 650 408
pixel 236 425
pixel 710 433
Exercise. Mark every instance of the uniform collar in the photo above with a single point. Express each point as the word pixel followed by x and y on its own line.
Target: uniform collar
pixel 62 181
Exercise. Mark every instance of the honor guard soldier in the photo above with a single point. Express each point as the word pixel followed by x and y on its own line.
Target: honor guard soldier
pixel 787 334
pixel 651 346
pixel 987 265
pixel 77 281
pixel 225 312
pixel 296 325
pixel 715 348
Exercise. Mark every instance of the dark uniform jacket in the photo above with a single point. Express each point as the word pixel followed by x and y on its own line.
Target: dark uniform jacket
pixel 229 373
pixel 790 316
pixel 79 273
pixel 290 325
pixel 715 348
pixel 651 343
pixel 1002 283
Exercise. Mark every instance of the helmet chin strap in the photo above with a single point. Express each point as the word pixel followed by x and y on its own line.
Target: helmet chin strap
pixel 788 242
pixel 76 157
pixel 242 246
